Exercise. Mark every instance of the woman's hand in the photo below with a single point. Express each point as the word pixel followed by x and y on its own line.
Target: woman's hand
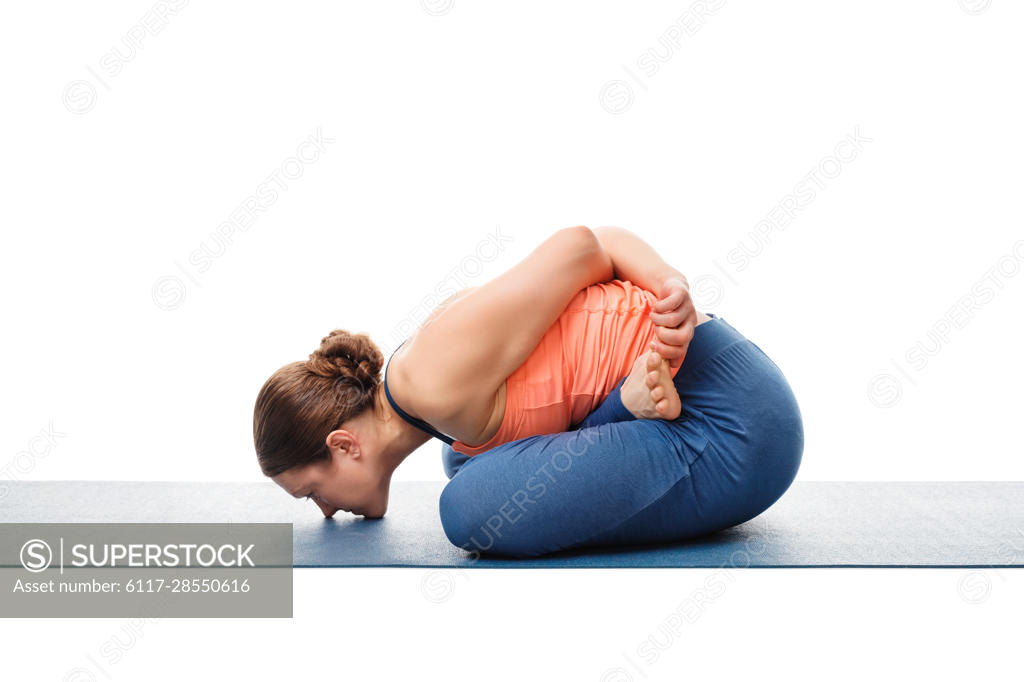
pixel 675 318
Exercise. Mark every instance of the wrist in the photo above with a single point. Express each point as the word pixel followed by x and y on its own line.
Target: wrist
pixel 667 278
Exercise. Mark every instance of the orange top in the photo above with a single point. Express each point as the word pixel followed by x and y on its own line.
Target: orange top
pixel 576 364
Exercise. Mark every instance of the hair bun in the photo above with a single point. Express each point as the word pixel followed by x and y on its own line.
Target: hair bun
pixel 353 356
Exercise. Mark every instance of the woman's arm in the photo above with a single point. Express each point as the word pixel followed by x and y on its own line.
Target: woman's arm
pixel 483 336
pixel 633 259
pixel 674 313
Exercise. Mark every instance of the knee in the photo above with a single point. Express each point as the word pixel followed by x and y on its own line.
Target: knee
pixel 776 462
pixel 474 524
pixel 787 436
pixel 788 452
pixel 458 514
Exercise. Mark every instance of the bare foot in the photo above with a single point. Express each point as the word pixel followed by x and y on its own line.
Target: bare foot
pixel 648 391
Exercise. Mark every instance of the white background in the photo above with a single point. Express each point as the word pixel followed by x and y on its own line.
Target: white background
pixel 892 300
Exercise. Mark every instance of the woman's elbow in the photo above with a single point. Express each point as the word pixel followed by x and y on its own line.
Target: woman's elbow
pixel 588 247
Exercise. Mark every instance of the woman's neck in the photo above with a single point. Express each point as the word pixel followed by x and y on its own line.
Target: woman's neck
pixel 398 438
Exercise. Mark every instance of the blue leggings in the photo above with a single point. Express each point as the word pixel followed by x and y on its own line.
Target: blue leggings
pixel 618 480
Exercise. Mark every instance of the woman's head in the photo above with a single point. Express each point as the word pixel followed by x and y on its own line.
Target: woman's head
pixel 315 427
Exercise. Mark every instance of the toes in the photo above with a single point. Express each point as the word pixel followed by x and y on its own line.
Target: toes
pixel 653 379
pixel 653 360
pixel 657 393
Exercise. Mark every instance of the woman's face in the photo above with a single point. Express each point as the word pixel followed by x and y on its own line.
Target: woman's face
pixel 348 480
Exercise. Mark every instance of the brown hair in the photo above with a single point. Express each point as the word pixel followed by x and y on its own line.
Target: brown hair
pixel 304 401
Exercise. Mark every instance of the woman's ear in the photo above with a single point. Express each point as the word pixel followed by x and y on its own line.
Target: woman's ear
pixel 343 442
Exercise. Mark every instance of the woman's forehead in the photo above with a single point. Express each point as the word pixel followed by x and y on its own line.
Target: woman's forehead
pixel 293 480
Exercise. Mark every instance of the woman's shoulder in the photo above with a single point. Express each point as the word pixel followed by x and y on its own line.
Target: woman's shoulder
pixel 462 412
pixel 405 368
pixel 423 384
pixel 399 383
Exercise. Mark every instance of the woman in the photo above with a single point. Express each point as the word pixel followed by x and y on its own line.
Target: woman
pixel 582 399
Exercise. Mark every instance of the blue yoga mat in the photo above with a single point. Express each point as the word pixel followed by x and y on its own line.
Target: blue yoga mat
pixel 815 524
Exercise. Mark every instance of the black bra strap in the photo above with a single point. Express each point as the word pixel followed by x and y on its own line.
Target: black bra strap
pixel 418 423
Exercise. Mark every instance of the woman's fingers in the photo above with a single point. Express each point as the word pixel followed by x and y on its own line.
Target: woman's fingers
pixel 674 354
pixel 677 316
pixel 669 319
pixel 669 302
pixel 674 337
pixel 672 300
pixel 671 295
pixel 674 317
pixel 672 343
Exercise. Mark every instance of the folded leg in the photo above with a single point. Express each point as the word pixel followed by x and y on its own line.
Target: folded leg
pixel 551 492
